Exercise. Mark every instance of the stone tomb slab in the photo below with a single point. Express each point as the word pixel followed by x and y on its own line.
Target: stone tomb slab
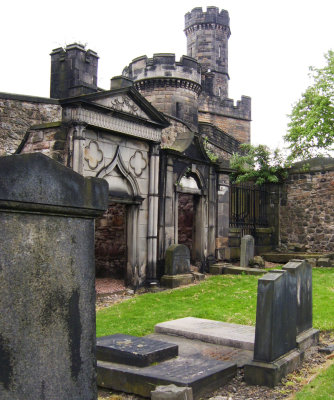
pixel 132 350
pixel 222 333
pixel 202 375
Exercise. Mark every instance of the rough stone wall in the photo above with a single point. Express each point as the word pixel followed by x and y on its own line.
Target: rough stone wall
pixel 306 209
pixel 110 242
pixel 19 113
pixel 186 220
pixel 49 139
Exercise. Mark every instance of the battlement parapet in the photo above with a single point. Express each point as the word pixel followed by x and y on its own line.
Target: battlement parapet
pixel 163 70
pixel 226 107
pixel 198 19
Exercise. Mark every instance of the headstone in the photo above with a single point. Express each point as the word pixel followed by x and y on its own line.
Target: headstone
pixel 246 250
pixel 275 331
pixel 177 260
pixel 300 272
pixel 172 392
pixel 132 350
pixel 47 291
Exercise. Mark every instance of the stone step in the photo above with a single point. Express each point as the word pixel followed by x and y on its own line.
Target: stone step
pixel 222 333
pixel 202 375
pixel 132 350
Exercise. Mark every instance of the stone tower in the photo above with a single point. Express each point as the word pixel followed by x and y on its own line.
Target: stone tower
pixel 73 71
pixel 171 86
pixel 207 41
pixel 207 34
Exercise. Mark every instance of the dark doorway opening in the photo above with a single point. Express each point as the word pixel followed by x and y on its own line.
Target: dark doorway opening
pixel 111 242
pixel 186 220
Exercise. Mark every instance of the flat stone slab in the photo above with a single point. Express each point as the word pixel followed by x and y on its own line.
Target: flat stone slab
pixel 223 333
pixel 174 281
pixel 234 270
pixel 132 350
pixel 202 375
pixel 196 348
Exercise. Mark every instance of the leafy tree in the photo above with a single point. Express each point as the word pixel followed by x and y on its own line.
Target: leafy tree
pixel 258 164
pixel 311 126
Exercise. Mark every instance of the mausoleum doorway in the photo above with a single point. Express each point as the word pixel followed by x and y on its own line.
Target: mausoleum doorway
pixel 191 216
pixel 111 242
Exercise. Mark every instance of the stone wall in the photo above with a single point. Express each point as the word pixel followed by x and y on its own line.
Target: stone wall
pixel 18 113
pixel 306 209
pixel 49 139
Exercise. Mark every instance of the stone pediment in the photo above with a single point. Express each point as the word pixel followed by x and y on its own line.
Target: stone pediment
pixel 123 103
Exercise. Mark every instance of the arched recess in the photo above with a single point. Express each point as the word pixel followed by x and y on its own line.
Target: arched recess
pixel 191 213
pixel 123 185
pixel 124 189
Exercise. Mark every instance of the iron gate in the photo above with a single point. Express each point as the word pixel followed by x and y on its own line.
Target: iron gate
pixel 248 207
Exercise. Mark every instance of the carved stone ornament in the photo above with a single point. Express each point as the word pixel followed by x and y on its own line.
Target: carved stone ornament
pixel 93 155
pixel 138 163
pixel 123 103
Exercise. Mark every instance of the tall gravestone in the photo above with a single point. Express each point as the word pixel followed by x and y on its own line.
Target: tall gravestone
pixel 47 293
pixel 275 352
pixel 300 272
pixel 246 250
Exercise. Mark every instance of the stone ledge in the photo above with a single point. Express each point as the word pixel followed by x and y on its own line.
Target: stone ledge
pixel 271 373
pixel 307 339
pixel 173 281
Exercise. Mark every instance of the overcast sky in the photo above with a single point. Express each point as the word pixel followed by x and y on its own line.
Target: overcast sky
pixel 270 49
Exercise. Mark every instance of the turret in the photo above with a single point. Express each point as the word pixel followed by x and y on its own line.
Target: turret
pixel 207 41
pixel 171 86
pixel 73 71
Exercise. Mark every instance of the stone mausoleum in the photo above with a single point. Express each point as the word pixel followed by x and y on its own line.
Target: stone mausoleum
pixel 161 137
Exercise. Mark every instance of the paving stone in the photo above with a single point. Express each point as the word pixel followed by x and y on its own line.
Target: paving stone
pixel 327 350
pixel 202 375
pixel 223 333
pixel 132 350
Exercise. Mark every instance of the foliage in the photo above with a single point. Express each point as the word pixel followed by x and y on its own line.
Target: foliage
pixel 229 298
pixel 212 156
pixel 311 126
pixel 258 164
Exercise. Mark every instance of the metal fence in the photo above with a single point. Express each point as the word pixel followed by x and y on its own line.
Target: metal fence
pixel 248 208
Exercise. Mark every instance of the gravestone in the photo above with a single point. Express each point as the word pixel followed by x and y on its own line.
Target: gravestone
pixel 177 266
pixel 47 274
pixel 246 250
pixel 300 272
pixel 275 332
pixel 275 353
pixel 177 260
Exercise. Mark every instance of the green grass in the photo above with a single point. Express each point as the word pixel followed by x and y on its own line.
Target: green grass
pixel 321 388
pixel 229 298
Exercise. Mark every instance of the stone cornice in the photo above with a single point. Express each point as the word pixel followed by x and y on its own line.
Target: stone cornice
pixel 207 26
pixel 158 82
pixel 112 123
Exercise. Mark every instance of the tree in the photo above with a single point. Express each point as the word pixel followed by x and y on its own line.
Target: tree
pixel 311 126
pixel 258 164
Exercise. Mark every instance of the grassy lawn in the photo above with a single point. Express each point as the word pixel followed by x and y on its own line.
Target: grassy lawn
pixel 321 388
pixel 229 298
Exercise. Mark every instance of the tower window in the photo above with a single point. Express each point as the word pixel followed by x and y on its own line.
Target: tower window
pixel 219 52
pixel 219 91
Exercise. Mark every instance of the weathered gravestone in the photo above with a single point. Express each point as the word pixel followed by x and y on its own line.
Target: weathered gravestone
pixel 275 332
pixel 47 293
pixel 177 266
pixel 246 250
pixel 300 272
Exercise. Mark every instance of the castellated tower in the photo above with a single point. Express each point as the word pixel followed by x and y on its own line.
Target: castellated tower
pixel 171 86
pixel 207 41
